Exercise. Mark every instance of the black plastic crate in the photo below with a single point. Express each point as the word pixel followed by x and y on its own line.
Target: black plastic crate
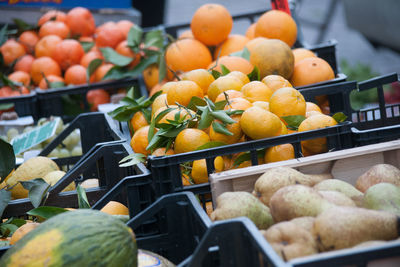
pixel 24 105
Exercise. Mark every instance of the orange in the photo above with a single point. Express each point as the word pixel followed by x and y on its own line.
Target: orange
pixel 24 63
pixel 109 35
pixel 271 56
pixel 47 45
pixel 125 26
pixel 311 70
pixel 67 53
pixel 276 82
pixel 250 32
pixel 20 77
pixel 240 75
pixel 279 153
pixel 287 101
pixel 276 24
pixel 22 231
pixel 312 113
pixel 201 77
pixel 102 71
pixel 138 121
pixel 156 88
pixel 238 103
pixel 11 51
pixel 317 145
pixel 234 43
pixel 262 104
pixel 29 39
pixel 75 75
pixel 140 141
pixel 233 128
pixel 87 39
pixel 123 49
pixel 89 57
pixel 232 63
pixel 256 91
pixel 187 54
pixel 161 151
pixel 186 34
pixel 189 140
pixel 186 180
pixel 222 84
pixel 54 28
pixel 199 169
pixel 231 95
pixel 159 102
pixel 284 129
pixel 310 106
pixel 182 92
pixel 258 123
pixel 44 66
pixel 81 22
pixel 183 114
pixel 50 78
pixel 302 53
pixel 211 24
pixel 150 76
pixel 115 208
pixel 97 97
pixel 49 15
pixel 255 41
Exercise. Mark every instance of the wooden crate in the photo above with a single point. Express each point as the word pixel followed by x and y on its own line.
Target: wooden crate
pixel 346 165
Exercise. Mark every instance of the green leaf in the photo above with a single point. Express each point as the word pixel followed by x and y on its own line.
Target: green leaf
pixel 195 102
pixel 8 229
pixel 46 212
pixel 224 70
pixel 173 132
pixel 83 202
pixel 220 128
pixel 38 189
pixel 87 46
pixel 23 26
pixel 154 38
pixel 134 36
pixel 111 56
pixel 93 65
pixel 3 34
pixel 5 197
pixel 16 221
pixel 220 105
pixel 211 144
pixel 123 113
pixel 339 117
pixel 247 156
pixel 222 116
pixel 7 82
pixel 7 159
pixel 206 119
pixel 117 72
pixel 216 74
pixel 293 121
pixel 132 160
pixel 254 75
pixel 162 67
pixel 244 53
pixel 56 85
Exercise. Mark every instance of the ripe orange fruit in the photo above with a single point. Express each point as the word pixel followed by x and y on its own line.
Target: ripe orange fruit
pixel 44 66
pixel 256 91
pixel 211 24
pixel 97 97
pixel 311 70
pixel 231 95
pixel 76 74
pixel 123 49
pixel 140 141
pixel 238 103
pixel 201 77
pixel 233 63
pixel 81 22
pixel 50 78
pixel 287 101
pixel 261 104
pixel 115 208
pixel 102 71
pixel 240 75
pixel 54 28
pixel 189 140
pixel 29 40
pixel 271 56
pixel 162 151
pixel 11 50
pixel 150 76
pixel 250 32
pixel 258 123
pixel 276 24
pixel 276 82
pixel 183 114
pixel 124 26
pixel 67 53
pixel 22 231
pixel 24 63
pixel 199 169
pixel 187 54
pixel 159 102
pixel 138 120
pixel 317 145
pixel 310 106
pixel 233 128
pixel 302 53
pixel 49 15
pixel 20 77
pixel 279 153
pixel 47 45
pixel 234 43
pixel 109 35
pixel 89 57
pixel 182 92
pixel 186 34
pixel 284 129
pixel 222 84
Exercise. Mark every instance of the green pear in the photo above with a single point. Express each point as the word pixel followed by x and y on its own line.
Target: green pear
pixel 344 227
pixel 297 201
pixel 383 196
pixel 340 186
pixel 237 204
pixel 380 173
pixel 337 198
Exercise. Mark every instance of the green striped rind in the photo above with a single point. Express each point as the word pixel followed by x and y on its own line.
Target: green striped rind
pixel 90 238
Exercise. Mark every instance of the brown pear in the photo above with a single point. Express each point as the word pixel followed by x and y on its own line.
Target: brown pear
pixel 337 198
pixel 340 186
pixel 344 227
pixel 380 173
pixel 306 222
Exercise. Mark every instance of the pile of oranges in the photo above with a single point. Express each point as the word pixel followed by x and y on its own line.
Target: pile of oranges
pixel 54 52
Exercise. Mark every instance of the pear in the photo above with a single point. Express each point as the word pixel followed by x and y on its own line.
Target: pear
pixel 340 186
pixel 383 196
pixel 237 204
pixel 343 227
pixel 297 201
pixel 275 178
pixel 337 198
pixel 379 173
pixel 370 244
pixel 290 240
